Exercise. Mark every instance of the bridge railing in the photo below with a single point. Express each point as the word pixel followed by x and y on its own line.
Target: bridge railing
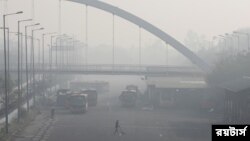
pixel 125 68
pixel 122 68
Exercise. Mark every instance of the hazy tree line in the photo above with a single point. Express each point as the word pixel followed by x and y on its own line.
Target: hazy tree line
pixel 228 56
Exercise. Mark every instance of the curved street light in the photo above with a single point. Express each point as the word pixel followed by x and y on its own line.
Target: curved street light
pixel 33 62
pixel 5 72
pixel 248 38
pixel 26 58
pixel 19 75
pixel 43 62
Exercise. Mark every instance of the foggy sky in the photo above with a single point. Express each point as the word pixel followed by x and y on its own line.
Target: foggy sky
pixel 176 17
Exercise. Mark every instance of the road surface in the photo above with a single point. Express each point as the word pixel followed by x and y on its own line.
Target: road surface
pixel 98 124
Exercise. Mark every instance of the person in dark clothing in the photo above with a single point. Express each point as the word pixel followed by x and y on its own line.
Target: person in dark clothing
pixel 52 113
pixel 118 128
pixel 117 125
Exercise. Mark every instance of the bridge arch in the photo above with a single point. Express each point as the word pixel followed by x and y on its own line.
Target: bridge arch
pixel 149 27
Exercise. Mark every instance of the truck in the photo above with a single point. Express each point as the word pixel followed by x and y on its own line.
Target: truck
pixel 92 96
pixel 132 87
pixel 78 102
pixel 128 98
pixel 62 97
pixel 100 86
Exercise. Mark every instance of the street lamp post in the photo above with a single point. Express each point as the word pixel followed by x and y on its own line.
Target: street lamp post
pixel 21 61
pixel 67 50
pixel 51 59
pixel 51 42
pixel 18 60
pixel 59 37
pixel 43 63
pixel 140 46
pixel 225 41
pixel 21 34
pixel 238 37
pixel 33 63
pixel 39 55
pixel 5 72
pixel 212 42
pixel 8 54
pixel 248 38
pixel 232 43
pixel 51 55
pixel 26 58
pixel 74 53
pixel 21 42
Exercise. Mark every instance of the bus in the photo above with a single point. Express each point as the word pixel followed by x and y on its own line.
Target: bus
pixel 92 96
pixel 78 103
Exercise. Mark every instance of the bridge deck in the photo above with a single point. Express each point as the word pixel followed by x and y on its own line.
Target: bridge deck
pixel 115 70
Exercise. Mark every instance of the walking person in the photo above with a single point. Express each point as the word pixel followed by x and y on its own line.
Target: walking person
pixel 117 125
pixel 52 113
pixel 118 129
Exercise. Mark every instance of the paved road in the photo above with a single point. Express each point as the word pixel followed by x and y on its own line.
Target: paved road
pixel 139 125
